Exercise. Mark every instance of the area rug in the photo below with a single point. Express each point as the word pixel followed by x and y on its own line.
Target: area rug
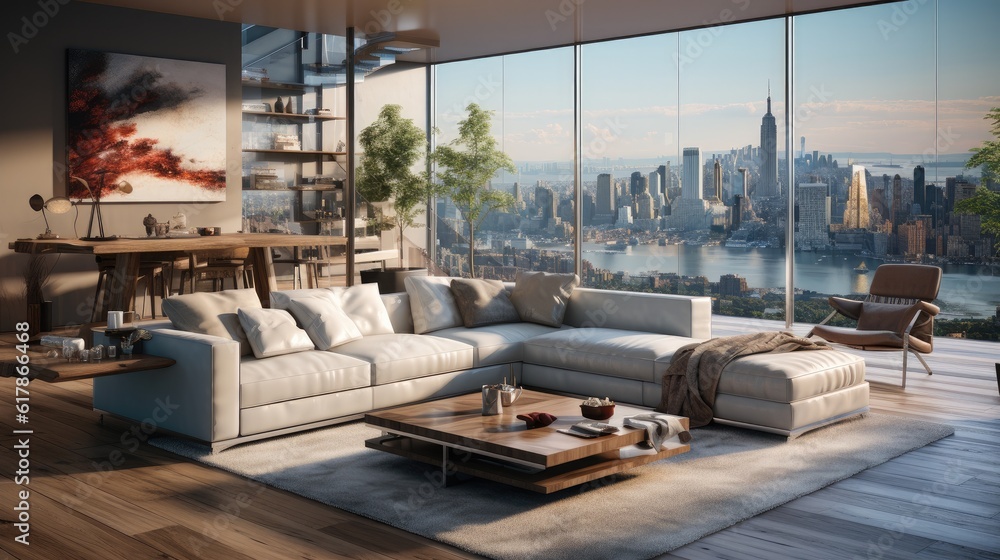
pixel 729 475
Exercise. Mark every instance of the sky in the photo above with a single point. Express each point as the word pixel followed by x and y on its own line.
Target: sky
pixel 866 80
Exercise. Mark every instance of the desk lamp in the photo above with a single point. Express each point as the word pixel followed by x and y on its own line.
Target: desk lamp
pixel 95 195
pixel 56 205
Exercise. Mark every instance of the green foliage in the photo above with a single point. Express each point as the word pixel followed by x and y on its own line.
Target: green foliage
pixel 392 146
pixel 986 203
pixel 988 155
pixel 467 164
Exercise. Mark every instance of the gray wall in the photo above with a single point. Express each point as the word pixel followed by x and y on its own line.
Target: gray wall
pixel 33 133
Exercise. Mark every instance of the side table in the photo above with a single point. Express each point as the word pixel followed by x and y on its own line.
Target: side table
pixel 57 370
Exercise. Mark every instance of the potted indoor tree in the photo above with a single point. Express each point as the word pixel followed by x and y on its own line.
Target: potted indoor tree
pixel 467 165
pixel 392 145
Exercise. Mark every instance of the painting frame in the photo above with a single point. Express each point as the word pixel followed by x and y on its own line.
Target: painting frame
pixel 156 124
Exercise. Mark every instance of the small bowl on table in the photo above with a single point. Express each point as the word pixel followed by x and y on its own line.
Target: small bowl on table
pixel 602 412
pixel 209 231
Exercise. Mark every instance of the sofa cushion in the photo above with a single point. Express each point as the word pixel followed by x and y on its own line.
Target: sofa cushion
pixel 295 376
pixel 541 297
pixel 362 304
pixel 496 344
pixel 325 321
pixel 791 376
pixel 273 332
pixel 431 303
pixel 483 302
pixel 613 352
pixel 212 313
pixel 397 357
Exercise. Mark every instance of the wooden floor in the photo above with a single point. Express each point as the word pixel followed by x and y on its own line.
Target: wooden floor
pixel 98 492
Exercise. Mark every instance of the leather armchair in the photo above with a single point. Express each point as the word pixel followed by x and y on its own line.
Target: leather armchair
pixel 897 315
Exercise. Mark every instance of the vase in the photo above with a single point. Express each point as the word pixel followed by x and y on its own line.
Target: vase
pixel 279 105
pixel 288 105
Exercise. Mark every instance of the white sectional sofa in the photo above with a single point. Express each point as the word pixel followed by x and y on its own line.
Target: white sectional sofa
pixel 611 343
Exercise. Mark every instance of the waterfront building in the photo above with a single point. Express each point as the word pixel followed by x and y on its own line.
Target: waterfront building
pixel 732 285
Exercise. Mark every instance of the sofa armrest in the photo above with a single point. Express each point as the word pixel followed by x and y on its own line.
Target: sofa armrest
pixel 199 396
pixel 688 316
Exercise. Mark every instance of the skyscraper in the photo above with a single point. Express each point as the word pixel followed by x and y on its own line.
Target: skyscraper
pixel 655 180
pixel 814 216
pixel 665 179
pixel 717 180
pixel 742 186
pixel 691 184
pixel 605 202
pixel 768 153
pixel 898 215
pixel 637 184
pixel 856 211
pixel 545 200
pixel 918 189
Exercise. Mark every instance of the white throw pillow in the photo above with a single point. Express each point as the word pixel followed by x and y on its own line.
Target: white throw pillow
pixel 212 313
pixel 281 299
pixel 326 323
pixel 364 306
pixel 273 332
pixel 432 304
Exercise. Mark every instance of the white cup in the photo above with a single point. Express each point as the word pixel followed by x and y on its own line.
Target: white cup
pixel 115 319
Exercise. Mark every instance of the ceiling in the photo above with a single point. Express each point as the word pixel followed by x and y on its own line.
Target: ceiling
pixel 475 28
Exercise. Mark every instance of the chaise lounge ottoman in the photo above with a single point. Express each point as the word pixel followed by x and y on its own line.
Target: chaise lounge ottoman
pixel 783 393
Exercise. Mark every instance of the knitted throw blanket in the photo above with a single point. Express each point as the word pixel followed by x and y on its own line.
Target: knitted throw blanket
pixel 691 380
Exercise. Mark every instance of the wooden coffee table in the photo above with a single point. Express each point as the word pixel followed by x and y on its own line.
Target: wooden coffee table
pixel 454 435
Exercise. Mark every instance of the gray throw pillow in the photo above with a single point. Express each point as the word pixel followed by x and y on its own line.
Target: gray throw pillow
pixel 483 302
pixel 541 297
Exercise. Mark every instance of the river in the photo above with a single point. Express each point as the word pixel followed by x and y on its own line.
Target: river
pixel 966 290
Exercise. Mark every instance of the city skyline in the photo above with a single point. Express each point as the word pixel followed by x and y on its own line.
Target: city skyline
pixel 875 93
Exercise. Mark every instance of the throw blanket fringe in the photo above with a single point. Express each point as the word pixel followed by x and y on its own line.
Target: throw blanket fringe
pixel 691 380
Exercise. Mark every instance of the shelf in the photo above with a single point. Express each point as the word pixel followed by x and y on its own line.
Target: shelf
pixel 294 188
pixel 324 187
pixel 285 86
pixel 297 152
pixel 295 116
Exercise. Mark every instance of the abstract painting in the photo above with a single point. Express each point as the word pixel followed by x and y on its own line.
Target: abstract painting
pixel 158 124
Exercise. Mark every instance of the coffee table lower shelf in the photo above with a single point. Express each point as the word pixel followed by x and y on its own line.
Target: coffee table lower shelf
pixel 545 481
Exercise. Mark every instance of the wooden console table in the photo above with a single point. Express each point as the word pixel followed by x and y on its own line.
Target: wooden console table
pixel 57 370
pixel 127 251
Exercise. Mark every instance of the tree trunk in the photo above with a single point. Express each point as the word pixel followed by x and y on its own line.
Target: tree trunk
pixel 472 251
pixel 400 264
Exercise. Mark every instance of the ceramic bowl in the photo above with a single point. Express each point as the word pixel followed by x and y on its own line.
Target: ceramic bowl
pixel 602 412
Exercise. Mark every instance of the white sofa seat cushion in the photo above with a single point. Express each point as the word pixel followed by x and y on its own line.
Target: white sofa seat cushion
pixel 295 376
pixel 791 376
pixel 618 353
pixel 496 344
pixel 400 356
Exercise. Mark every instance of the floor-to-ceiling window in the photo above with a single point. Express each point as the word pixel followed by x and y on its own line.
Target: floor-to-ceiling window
pixel 531 96
pixel 684 163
